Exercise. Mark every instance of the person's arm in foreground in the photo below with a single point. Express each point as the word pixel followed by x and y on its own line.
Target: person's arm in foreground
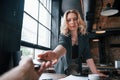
pixel 53 55
pixel 25 71
pixel 93 68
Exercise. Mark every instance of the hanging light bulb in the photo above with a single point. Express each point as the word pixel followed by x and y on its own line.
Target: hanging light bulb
pixel 100 31
pixel 95 40
pixel 109 11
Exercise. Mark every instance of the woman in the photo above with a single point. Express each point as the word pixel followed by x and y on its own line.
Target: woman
pixel 73 44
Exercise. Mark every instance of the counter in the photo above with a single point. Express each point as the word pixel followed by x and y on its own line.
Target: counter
pixel 54 76
pixel 114 74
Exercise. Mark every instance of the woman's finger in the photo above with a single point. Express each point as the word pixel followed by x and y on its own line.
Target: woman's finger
pixel 54 61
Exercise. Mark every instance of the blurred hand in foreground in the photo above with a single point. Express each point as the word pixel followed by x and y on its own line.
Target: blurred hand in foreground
pixel 25 70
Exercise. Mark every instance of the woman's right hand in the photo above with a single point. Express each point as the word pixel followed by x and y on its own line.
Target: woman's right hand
pixel 49 56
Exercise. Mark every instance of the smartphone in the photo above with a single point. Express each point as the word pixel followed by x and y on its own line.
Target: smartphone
pixel 37 64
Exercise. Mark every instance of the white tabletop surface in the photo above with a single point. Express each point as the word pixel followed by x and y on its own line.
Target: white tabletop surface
pixel 54 76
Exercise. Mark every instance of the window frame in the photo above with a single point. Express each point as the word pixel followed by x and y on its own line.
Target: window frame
pixel 33 45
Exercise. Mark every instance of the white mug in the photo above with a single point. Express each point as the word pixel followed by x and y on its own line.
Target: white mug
pixel 93 77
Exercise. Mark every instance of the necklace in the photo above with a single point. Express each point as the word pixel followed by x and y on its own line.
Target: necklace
pixel 74 38
pixel 74 41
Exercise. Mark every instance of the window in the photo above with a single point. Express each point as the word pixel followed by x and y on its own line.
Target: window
pixel 36 29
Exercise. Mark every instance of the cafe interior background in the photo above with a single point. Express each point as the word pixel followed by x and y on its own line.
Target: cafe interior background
pixel 27 32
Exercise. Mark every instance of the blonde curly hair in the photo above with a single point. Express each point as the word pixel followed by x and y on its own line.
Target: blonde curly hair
pixel 81 23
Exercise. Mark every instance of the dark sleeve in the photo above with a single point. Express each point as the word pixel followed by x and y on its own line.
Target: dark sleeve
pixel 87 53
pixel 63 40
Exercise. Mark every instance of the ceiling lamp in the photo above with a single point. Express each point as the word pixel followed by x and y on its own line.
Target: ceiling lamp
pixel 109 11
pixel 95 40
pixel 100 31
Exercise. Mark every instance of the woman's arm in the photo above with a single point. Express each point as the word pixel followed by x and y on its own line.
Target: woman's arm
pixel 53 55
pixel 92 66
pixel 59 50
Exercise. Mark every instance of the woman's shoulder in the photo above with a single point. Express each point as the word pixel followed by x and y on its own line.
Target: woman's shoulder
pixel 64 36
pixel 84 35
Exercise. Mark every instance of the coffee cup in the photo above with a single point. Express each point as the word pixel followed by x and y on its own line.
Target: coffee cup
pixel 93 77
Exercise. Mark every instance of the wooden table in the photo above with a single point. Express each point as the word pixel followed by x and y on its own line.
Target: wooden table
pixel 52 76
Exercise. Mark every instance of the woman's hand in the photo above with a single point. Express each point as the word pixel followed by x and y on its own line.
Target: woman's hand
pixel 49 56
pixel 102 75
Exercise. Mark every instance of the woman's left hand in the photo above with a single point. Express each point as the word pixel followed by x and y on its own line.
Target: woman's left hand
pixel 103 75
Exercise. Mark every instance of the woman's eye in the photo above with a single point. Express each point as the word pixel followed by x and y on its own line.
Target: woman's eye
pixel 74 19
pixel 68 20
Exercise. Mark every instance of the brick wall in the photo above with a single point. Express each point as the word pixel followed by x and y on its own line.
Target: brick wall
pixel 112 52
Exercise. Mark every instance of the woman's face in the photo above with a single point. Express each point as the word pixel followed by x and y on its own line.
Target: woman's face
pixel 72 21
